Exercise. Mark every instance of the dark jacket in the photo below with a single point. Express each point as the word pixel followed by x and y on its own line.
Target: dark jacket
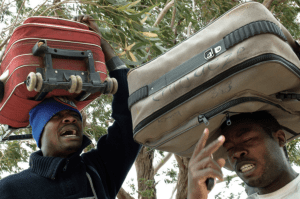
pixel 108 165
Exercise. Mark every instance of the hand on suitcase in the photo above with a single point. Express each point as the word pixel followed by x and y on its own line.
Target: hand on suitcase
pixel 202 167
pixel 106 47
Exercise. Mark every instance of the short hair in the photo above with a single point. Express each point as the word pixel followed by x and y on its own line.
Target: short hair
pixel 264 119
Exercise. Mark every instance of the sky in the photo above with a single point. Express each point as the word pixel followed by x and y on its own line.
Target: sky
pixel 164 190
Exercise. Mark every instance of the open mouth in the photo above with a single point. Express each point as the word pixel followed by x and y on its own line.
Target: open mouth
pixel 247 168
pixel 69 133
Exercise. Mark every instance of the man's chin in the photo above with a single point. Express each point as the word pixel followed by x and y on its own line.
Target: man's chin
pixel 71 147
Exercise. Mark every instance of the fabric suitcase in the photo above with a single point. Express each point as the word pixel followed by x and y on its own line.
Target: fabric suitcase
pixel 244 61
pixel 18 61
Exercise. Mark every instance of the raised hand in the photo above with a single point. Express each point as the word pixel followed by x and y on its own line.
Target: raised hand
pixel 202 166
pixel 106 47
pixel 88 20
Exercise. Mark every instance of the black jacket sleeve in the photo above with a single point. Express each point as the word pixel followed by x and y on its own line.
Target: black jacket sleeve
pixel 116 151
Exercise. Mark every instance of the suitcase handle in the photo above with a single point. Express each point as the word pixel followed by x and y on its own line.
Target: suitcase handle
pixel 61 79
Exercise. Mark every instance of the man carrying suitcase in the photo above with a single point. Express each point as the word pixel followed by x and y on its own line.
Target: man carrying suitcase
pixel 254 144
pixel 58 170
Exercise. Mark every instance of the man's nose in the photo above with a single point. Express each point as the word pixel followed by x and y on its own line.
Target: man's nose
pixel 239 153
pixel 69 119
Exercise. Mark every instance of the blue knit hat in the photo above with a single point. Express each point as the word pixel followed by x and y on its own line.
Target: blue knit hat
pixel 43 112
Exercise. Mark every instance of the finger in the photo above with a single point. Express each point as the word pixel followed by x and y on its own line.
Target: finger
pixel 201 143
pixel 221 162
pixel 211 148
pixel 208 162
pixel 78 18
pixel 87 18
pixel 202 175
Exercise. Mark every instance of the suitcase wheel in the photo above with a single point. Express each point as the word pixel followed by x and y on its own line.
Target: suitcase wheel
pixel 31 81
pixel 79 84
pixel 39 82
pixel 73 84
pixel 115 86
pixel 111 86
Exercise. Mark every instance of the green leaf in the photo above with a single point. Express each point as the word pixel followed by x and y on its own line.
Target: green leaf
pixel 129 5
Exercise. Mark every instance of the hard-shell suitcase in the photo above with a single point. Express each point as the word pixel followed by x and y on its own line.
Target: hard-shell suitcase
pixel 244 61
pixel 59 50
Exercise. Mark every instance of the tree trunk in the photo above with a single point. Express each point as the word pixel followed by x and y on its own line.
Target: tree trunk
pixel 162 162
pixel 182 182
pixel 145 174
pixel 124 195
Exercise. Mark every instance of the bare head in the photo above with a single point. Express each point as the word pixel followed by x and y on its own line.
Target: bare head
pixel 255 145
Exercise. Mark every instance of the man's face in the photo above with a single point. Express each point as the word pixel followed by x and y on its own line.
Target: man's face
pixel 253 154
pixel 62 135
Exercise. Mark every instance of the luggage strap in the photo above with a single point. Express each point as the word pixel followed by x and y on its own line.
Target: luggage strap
pixel 233 38
pixel 283 96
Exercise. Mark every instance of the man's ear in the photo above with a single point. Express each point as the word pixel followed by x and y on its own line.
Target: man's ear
pixel 40 141
pixel 279 136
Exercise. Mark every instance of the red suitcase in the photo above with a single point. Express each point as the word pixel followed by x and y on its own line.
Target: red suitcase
pixel 67 39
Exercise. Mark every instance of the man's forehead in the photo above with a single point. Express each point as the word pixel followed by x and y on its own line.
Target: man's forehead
pixel 67 112
pixel 240 129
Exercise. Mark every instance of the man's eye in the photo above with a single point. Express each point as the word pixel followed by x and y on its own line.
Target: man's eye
pixel 229 149
pixel 56 116
pixel 76 116
pixel 247 140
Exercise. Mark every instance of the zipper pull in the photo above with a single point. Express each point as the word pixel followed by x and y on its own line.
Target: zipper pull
pixel 228 121
pixel 65 168
pixel 202 118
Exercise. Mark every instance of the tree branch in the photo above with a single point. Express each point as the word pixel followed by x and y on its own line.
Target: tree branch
pixel 163 13
pixel 175 30
pixel 175 188
pixel 162 162
pixel 122 194
pixel 2 5
pixel 173 18
pixel 189 29
pixel 54 6
pixel 190 24
pixel 178 158
pixel 194 5
pixel 268 3
pixel 3 45
pixel 18 15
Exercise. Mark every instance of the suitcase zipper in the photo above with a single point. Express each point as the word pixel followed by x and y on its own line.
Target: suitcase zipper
pixel 204 118
pixel 219 78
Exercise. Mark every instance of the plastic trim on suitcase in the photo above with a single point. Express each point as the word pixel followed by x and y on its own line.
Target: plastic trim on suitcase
pixel 217 79
pixel 220 110
pixel 233 38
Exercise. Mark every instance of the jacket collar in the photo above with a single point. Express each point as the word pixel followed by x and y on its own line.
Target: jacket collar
pixel 49 167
